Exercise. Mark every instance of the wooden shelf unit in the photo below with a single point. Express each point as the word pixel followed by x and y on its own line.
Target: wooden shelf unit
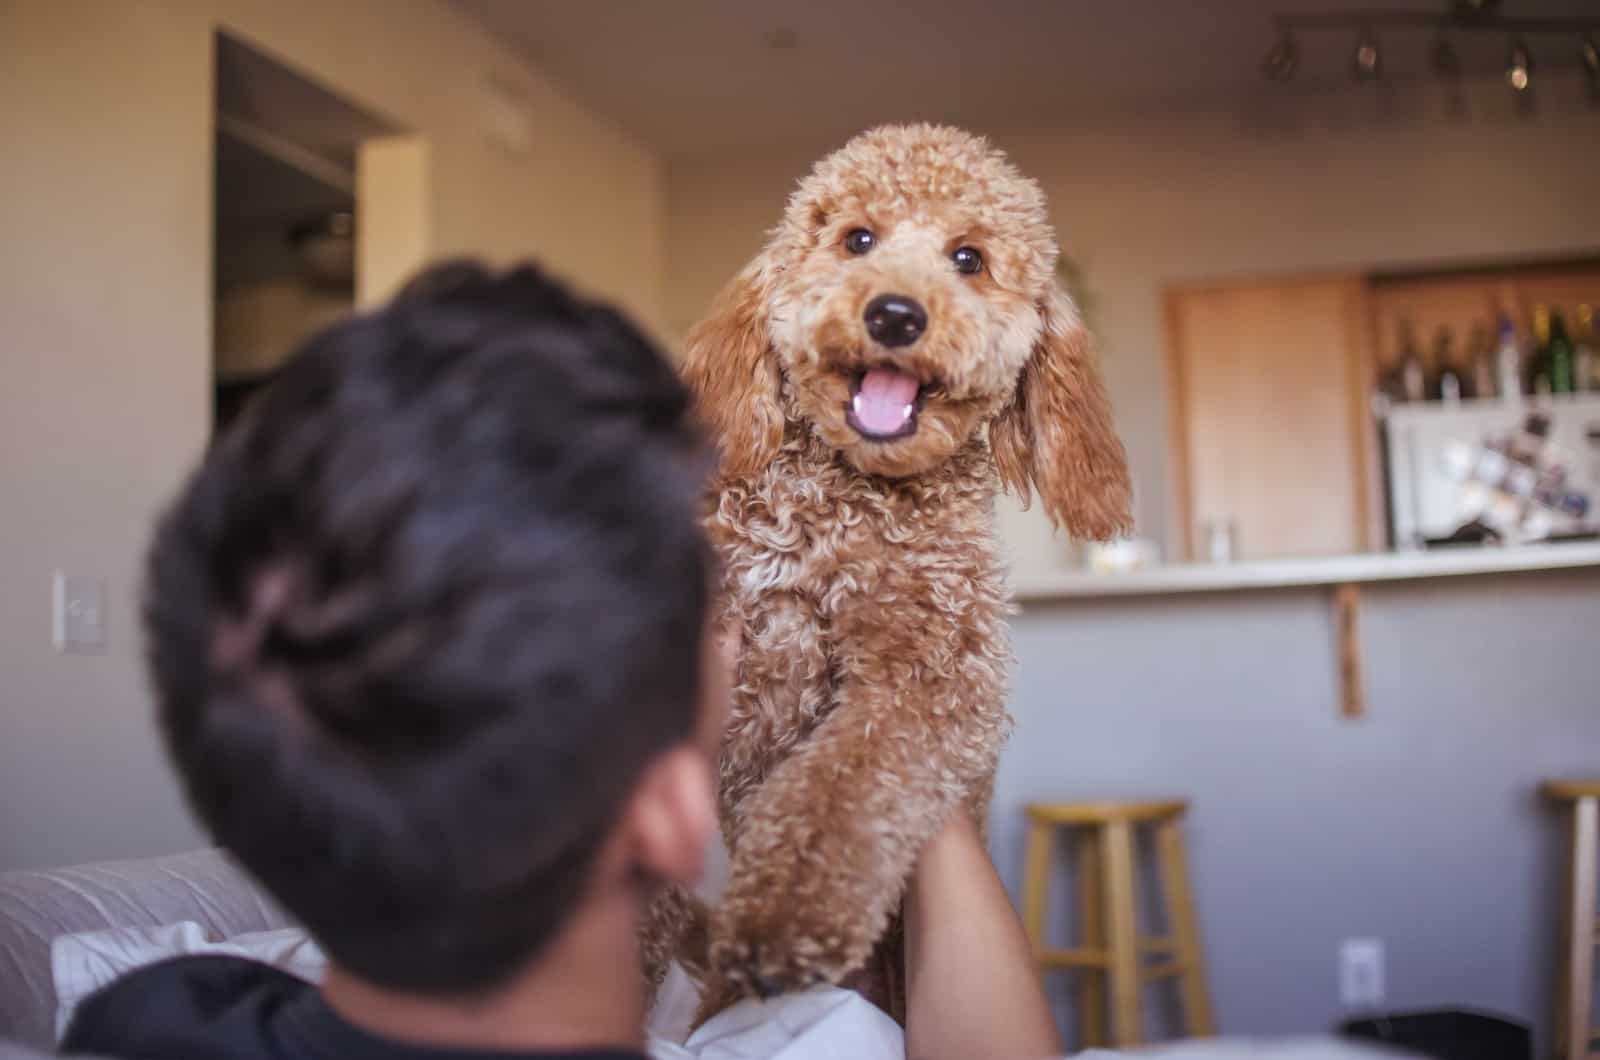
pixel 1270 385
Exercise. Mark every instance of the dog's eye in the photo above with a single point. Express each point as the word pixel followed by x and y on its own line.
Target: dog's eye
pixel 859 241
pixel 967 260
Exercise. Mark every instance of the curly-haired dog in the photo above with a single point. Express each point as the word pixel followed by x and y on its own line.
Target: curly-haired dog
pixel 898 351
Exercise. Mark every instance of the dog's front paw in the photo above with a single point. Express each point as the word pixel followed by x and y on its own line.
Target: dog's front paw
pixel 766 952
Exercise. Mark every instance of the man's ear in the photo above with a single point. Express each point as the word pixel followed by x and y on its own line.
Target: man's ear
pixel 672 818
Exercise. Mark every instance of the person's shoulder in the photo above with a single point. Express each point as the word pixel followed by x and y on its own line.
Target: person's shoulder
pixel 171 1007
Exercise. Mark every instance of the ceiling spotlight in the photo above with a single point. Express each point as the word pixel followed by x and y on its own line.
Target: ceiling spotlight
pixel 1368 62
pixel 1282 61
pixel 1519 66
pixel 1446 63
pixel 1590 54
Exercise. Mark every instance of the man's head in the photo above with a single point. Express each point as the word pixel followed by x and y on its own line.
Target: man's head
pixel 427 627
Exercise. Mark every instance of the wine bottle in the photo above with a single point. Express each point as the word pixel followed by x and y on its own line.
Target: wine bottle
pixel 1560 356
pixel 1447 385
pixel 1539 363
pixel 1413 375
pixel 1480 377
pixel 1391 391
pixel 1508 362
pixel 1585 358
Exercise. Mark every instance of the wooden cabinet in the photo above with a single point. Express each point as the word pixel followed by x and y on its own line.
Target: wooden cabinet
pixel 1270 383
pixel 1270 421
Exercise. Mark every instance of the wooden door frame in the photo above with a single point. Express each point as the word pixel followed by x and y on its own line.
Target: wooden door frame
pixel 394 235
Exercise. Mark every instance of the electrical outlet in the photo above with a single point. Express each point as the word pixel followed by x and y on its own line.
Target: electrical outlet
pixel 1361 973
pixel 79 614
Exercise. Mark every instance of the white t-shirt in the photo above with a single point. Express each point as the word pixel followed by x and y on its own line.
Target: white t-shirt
pixel 816 1024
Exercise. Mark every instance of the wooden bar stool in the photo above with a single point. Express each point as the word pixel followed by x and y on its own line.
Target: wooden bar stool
pixel 1576 1034
pixel 1112 951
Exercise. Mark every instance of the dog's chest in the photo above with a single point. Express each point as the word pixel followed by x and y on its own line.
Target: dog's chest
pixel 825 544
pixel 815 566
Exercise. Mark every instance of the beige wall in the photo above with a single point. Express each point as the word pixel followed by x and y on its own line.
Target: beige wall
pixel 586 195
pixel 105 276
pixel 1141 203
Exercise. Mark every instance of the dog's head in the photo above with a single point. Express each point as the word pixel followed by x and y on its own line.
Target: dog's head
pixel 906 303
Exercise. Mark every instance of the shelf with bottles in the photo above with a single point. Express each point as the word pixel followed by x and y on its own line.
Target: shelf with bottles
pixel 1500 331
pixel 1546 360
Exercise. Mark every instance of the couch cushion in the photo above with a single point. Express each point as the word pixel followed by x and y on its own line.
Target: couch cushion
pixel 36 906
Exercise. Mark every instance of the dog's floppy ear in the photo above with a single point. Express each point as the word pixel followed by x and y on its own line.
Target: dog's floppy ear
pixel 730 367
pixel 1057 437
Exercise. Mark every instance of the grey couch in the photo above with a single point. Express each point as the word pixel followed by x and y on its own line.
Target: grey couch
pixel 203 886
pixel 35 907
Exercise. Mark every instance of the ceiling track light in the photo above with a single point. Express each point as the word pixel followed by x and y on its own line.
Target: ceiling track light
pixel 1367 63
pixel 1519 66
pixel 1476 9
pixel 1282 61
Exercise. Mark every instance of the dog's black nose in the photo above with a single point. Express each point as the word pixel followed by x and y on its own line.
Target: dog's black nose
pixel 895 320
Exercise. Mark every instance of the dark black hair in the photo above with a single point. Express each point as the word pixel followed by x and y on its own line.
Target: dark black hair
pixel 423 616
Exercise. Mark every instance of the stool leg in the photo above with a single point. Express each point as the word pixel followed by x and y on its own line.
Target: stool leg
pixel 1036 884
pixel 1559 1049
pixel 1091 984
pixel 1180 913
pixel 1126 1021
pixel 1580 935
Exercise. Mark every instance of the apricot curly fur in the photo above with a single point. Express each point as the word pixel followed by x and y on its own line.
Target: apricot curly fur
pixel 862 576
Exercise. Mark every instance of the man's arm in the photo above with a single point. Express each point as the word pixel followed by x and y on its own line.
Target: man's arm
pixel 972 988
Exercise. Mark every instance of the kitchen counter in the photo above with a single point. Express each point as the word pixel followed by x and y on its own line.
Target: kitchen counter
pixel 1308 826
pixel 1289 573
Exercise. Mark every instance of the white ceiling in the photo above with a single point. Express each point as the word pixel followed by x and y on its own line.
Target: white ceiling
pixel 695 75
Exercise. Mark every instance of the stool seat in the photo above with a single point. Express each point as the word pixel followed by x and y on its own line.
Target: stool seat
pixel 1079 813
pixel 1114 960
pixel 1571 790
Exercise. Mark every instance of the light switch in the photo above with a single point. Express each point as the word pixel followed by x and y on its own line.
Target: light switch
pixel 80 614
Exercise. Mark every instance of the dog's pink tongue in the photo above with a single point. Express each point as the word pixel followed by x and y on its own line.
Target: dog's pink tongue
pixel 883 404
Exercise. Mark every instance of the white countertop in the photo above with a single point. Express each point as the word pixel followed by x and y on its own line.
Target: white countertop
pixel 1287 573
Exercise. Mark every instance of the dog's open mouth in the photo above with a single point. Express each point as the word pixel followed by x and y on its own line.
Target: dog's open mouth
pixel 884 403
